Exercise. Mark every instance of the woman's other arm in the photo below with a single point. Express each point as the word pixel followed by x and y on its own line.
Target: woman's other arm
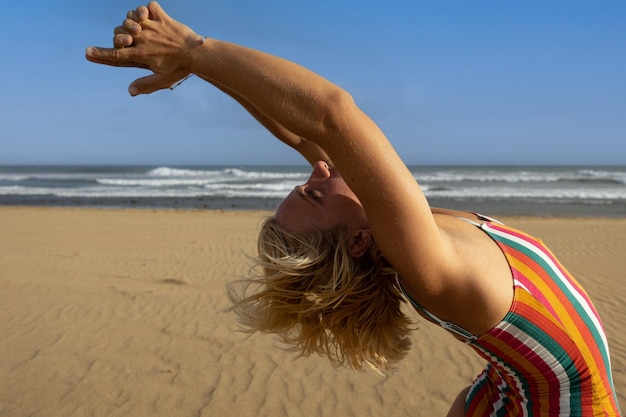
pixel 307 148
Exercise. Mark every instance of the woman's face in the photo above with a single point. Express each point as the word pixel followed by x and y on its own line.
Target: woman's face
pixel 323 202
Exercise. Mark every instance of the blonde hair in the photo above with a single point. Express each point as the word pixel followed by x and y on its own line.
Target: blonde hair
pixel 307 289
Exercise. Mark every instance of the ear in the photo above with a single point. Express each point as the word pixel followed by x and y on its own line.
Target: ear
pixel 359 242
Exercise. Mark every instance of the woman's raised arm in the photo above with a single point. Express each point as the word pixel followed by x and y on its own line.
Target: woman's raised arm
pixel 309 106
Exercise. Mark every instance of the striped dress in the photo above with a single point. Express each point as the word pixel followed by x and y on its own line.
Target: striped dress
pixel 549 355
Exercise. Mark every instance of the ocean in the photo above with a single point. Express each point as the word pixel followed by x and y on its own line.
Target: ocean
pixel 509 190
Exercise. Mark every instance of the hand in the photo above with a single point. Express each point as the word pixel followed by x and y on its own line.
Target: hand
pixel 150 39
pixel 131 26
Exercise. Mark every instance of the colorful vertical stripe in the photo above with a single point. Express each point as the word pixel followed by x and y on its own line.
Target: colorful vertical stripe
pixel 549 356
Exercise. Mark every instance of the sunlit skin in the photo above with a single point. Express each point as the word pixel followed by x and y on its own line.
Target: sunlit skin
pixel 323 202
pixel 451 268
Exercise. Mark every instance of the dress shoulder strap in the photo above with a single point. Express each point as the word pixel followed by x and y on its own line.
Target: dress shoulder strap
pixel 451 327
pixel 470 221
pixel 486 218
pixel 482 217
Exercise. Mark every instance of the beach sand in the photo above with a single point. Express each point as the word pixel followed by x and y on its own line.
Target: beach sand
pixel 119 313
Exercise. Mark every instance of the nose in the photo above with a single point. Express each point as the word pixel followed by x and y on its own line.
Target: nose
pixel 321 171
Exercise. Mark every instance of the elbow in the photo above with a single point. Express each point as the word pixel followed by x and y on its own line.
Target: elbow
pixel 338 108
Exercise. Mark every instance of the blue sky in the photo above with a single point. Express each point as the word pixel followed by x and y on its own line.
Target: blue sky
pixel 450 82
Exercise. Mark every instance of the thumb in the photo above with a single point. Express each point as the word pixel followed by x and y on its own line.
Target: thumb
pixel 154 82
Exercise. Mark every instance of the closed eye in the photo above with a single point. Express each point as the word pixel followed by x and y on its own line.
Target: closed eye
pixel 313 194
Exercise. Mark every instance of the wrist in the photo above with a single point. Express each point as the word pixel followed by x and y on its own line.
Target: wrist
pixel 197 44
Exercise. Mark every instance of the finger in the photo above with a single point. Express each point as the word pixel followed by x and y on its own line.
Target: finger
pixel 117 57
pixel 104 55
pixel 122 40
pixel 141 14
pixel 118 30
pixel 131 26
pixel 138 15
pixel 124 36
pixel 157 12
pixel 152 83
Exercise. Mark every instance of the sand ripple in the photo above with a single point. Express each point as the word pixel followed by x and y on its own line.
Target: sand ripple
pixel 117 313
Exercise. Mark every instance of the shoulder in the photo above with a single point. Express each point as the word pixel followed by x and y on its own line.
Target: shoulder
pixel 475 288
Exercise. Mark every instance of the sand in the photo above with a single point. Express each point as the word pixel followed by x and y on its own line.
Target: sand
pixel 119 313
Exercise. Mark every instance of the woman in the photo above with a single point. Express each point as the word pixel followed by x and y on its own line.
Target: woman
pixel 343 248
